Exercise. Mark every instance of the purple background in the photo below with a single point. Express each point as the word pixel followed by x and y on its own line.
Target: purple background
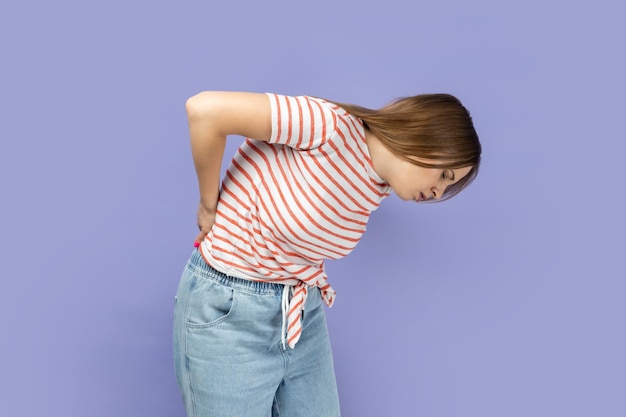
pixel 506 301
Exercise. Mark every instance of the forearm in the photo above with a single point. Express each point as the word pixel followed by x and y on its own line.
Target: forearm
pixel 207 148
pixel 213 115
pixel 207 157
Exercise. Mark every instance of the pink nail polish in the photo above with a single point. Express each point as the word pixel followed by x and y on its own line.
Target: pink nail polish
pixel 196 244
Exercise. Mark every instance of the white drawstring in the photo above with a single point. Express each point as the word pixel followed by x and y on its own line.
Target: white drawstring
pixel 285 307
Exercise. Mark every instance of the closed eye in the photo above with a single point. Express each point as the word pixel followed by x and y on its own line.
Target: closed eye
pixel 447 175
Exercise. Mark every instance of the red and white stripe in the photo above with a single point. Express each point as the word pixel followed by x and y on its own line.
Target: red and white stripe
pixel 289 203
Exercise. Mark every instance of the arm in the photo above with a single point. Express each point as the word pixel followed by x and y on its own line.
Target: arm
pixel 212 116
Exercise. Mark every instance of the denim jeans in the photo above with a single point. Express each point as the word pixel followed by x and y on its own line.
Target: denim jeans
pixel 228 354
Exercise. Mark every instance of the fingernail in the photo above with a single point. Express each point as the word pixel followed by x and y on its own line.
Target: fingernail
pixel 196 244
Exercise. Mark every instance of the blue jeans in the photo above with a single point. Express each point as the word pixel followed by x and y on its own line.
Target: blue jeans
pixel 228 354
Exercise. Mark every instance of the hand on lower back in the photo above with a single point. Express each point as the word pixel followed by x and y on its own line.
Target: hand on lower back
pixel 205 219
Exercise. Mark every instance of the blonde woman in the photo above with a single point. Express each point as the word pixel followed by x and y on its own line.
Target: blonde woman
pixel 250 336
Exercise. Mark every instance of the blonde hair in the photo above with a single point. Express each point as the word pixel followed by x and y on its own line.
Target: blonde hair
pixel 433 127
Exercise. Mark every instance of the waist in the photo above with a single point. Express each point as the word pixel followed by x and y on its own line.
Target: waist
pixel 200 266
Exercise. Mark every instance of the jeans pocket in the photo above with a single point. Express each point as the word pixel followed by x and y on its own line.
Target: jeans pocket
pixel 210 304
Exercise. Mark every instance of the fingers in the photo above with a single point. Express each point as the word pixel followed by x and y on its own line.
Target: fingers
pixel 204 221
pixel 199 238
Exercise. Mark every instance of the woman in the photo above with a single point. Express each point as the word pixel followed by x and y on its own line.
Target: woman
pixel 250 335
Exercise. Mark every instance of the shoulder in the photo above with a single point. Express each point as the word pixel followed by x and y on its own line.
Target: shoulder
pixel 303 122
pixel 304 106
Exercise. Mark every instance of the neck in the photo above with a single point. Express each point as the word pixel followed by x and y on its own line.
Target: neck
pixel 379 154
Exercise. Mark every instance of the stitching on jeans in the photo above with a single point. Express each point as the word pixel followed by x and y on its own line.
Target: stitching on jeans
pixel 187 375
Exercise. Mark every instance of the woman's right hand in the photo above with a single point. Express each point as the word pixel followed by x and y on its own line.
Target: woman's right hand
pixel 205 219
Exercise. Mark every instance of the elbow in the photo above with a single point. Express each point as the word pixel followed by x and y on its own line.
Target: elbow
pixel 200 105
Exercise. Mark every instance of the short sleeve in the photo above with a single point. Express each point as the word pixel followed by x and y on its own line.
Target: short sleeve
pixel 301 122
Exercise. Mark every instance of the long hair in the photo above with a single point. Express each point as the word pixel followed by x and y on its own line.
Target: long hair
pixel 435 128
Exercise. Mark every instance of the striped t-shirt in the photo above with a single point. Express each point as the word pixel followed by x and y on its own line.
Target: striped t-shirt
pixel 303 196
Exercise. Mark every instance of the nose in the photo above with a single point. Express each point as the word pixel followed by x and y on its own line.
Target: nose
pixel 437 192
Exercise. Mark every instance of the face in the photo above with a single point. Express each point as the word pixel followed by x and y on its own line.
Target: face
pixel 415 183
